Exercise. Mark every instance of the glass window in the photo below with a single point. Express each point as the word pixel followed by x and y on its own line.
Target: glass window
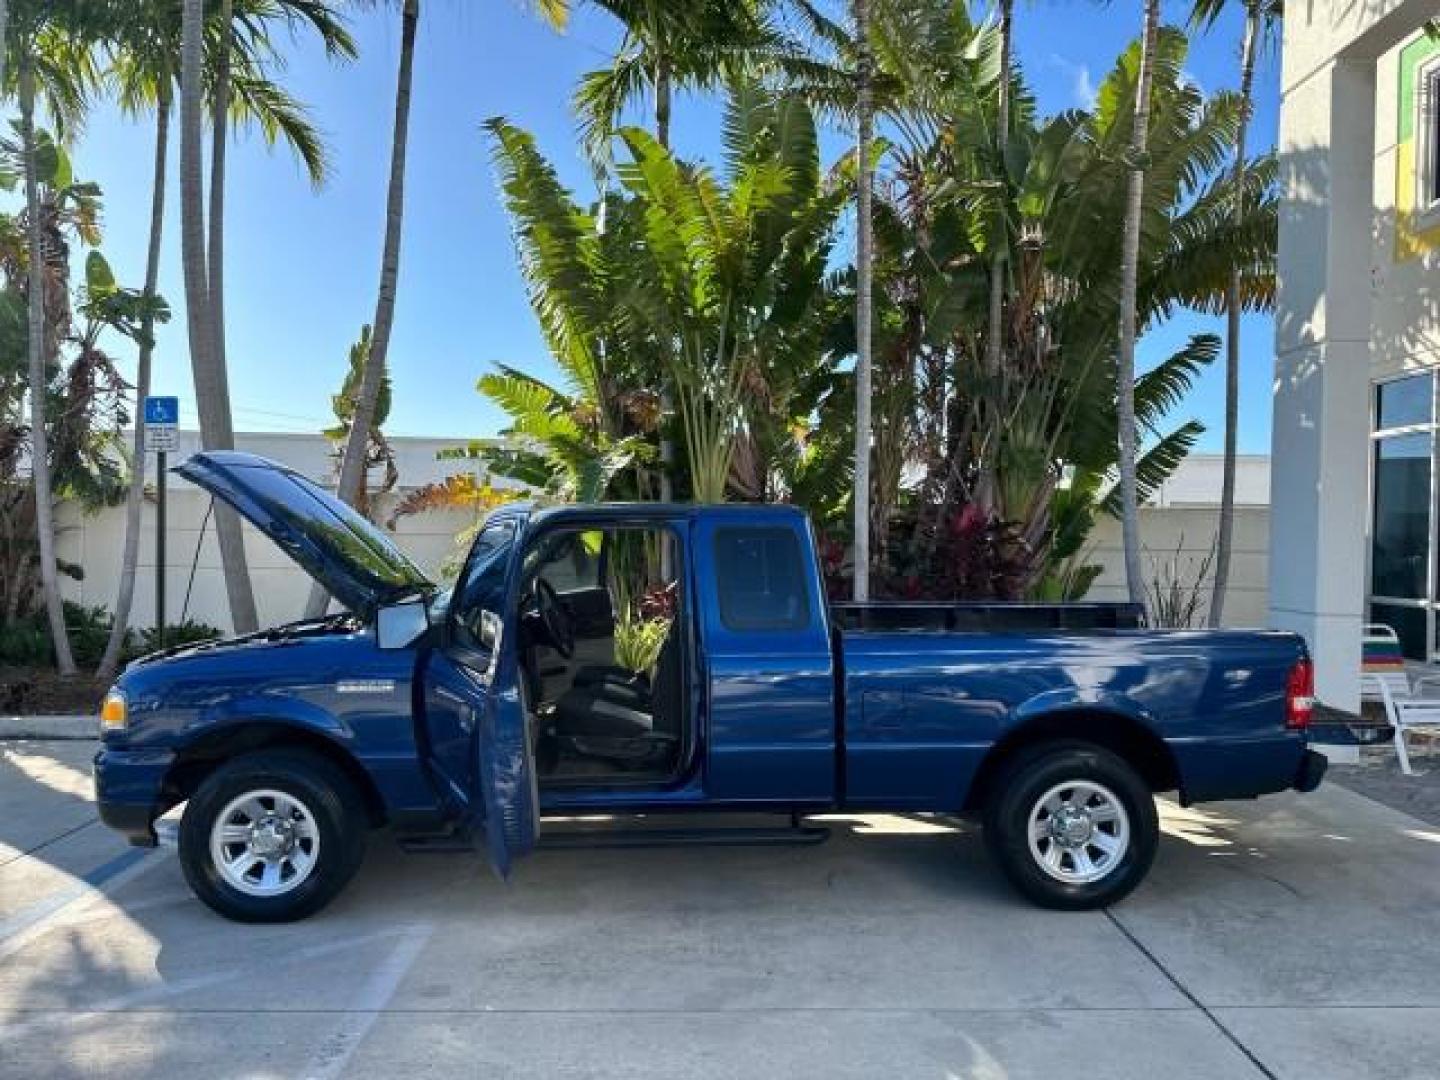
pixel 1408 624
pixel 1401 543
pixel 760 575
pixel 1430 119
pixel 477 609
pixel 569 561
pixel 1403 402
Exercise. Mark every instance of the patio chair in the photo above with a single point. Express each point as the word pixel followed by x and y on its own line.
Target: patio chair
pixel 1383 678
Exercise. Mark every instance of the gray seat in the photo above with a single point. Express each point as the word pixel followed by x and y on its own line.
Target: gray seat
pixel 613 703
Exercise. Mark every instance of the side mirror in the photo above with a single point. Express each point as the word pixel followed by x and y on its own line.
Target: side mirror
pixel 401 625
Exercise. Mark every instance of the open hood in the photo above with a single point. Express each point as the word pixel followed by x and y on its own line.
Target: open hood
pixel 357 563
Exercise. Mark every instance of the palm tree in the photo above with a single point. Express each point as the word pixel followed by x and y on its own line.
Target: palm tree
pixel 864 260
pixel 50 42
pixel 145 65
pixel 212 391
pixel 1261 16
pixel 240 43
pixel 352 463
pixel 1129 274
pixel 352 466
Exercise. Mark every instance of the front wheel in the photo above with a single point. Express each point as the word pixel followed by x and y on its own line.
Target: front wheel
pixel 272 836
pixel 1072 825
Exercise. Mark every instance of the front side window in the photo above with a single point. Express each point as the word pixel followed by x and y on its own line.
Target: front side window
pixel 477 610
pixel 761 579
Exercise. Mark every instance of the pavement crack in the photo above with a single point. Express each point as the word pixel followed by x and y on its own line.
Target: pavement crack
pixel 46 843
pixel 1185 992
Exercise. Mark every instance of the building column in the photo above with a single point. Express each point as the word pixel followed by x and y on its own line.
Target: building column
pixel 1320 506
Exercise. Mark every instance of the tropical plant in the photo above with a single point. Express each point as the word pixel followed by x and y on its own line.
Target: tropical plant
pixel 49 53
pixel 639 641
pixel 1005 441
pixel 344 405
pixel 83 400
pixel 732 274
pixel 1261 19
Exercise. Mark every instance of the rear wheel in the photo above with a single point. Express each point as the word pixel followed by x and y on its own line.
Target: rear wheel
pixel 272 836
pixel 1072 825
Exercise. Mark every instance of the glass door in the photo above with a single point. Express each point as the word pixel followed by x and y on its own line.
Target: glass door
pixel 1403 572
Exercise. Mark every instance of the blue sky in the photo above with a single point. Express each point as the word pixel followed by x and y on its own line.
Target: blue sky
pixel 302 266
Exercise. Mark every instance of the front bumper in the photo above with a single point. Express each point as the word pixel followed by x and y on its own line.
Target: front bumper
pixel 130 791
pixel 1311 770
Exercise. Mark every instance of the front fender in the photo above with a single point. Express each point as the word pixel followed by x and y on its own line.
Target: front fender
pixel 248 710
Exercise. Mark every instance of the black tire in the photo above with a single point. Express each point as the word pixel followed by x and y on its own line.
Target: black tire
pixel 325 791
pixel 1017 791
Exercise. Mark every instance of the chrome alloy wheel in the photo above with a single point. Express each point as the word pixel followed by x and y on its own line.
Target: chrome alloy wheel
pixel 1079 832
pixel 265 843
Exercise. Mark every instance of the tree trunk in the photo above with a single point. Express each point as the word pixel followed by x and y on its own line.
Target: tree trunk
pixel 220 118
pixel 35 348
pixel 136 497
pixel 1129 271
pixel 1225 531
pixel 863 269
pixel 4 35
pixel 995 328
pixel 667 395
pixel 212 391
pixel 352 467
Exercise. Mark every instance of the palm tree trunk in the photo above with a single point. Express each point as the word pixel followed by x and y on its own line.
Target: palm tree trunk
pixel 1129 275
pixel 4 35
pixel 667 395
pixel 136 496
pixel 1225 530
pixel 352 467
pixel 220 118
pixel 863 269
pixel 212 391
pixel 995 329
pixel 35 348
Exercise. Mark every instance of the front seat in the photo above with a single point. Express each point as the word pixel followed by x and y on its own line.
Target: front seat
pixel 613 705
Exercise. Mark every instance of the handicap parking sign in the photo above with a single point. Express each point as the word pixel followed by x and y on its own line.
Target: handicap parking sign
pixel 162 424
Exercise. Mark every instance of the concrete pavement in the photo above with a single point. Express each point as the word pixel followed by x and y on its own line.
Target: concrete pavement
pixel 1296 937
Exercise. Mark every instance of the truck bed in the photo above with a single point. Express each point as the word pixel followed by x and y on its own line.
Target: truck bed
pixel 992 617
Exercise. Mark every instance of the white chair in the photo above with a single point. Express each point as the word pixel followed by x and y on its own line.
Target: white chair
pixel 1389 683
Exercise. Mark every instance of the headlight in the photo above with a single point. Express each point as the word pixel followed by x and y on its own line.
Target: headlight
pixel 114 714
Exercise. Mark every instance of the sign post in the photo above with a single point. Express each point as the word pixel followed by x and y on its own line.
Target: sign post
pixel 162 436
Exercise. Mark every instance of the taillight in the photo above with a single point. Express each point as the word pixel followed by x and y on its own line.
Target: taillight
pixel 1300 696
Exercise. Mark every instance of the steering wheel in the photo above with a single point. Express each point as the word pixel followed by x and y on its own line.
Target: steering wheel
pixel 556 619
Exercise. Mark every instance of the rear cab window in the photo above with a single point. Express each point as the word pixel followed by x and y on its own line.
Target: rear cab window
pixel 761 579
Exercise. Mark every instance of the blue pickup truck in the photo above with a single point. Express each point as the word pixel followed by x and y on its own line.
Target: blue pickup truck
pixel 628 660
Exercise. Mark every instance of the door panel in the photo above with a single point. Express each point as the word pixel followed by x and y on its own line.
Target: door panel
pixel 474 730
pixel 770 675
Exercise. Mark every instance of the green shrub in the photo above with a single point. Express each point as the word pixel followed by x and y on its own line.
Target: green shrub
pixel 190 632
pixel 26 642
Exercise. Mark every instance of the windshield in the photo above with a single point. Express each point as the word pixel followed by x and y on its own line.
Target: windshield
pixel 477 605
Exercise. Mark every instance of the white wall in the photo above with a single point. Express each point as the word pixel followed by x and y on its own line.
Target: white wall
pixel 281 588
pixel 1186 506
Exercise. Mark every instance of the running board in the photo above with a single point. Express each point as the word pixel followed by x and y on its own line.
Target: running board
pixel 800 836
pixel 574 839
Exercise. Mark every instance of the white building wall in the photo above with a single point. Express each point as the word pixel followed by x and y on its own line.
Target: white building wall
pixel 95 542
pixel 1343 310
pixel 1185 509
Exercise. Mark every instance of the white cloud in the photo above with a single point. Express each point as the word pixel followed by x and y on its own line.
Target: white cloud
pixel 1082 85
